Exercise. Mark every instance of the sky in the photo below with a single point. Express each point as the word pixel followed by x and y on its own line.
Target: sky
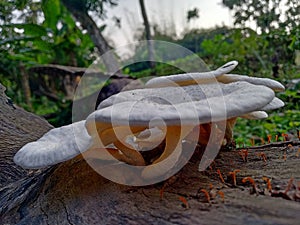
pixel 163 12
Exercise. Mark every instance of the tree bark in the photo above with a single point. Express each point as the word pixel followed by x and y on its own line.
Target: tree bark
pixel 25 86
pixel 148 35
pixel 17 127
pixel 73 193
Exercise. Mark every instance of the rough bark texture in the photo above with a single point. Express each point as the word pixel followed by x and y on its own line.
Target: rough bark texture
pixel 67 76
pixel 72 193
pixel 25 85
pixel 17 127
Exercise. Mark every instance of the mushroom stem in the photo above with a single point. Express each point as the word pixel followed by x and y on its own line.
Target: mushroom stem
pixel 132 156
pixel 229 129
pixel 113 134
pixel 200 133
pixel 174 137
pixel 171 153
pixel 100 153
pixel 117 135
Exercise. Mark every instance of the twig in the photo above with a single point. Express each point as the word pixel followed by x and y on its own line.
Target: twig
pixel 276 144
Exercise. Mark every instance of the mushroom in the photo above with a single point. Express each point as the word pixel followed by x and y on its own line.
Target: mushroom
pixel 180 108
pixel 191 78
pixel 220 75
pixel 273 84
pixel 131 121
pixel 58 145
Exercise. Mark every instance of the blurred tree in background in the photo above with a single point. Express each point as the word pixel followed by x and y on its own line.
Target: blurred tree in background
pixel 148 35
pixel 278 24
pixel 43 32
pixel 80 9
pixel 192 14
pixel 265 40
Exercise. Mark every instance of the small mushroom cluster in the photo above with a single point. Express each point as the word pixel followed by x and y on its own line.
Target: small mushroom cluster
pixel 167 109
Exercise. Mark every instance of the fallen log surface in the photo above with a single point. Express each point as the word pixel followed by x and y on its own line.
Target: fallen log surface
pixel 73 193
pixel 17 127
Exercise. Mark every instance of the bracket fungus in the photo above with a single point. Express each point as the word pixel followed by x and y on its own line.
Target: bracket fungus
pixel 166 111
pixel 58 145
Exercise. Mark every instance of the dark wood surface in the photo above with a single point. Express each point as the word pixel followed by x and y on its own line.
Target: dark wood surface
pixel 73 193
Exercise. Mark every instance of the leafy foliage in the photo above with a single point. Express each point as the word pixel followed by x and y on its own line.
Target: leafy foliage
pixel 192 14
pixel 91 5
pixel 44 31
pixel 31 41
pixel 266 14
pixel 254 53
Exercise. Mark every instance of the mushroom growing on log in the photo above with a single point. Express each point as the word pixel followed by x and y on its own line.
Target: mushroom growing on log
pixel 168 109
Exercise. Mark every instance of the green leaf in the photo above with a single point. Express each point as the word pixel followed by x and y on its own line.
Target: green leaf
pixel 29 29
pixel 34 30
pixel 52 12
pixel 21 57
pixel 42 45
pixel 16 39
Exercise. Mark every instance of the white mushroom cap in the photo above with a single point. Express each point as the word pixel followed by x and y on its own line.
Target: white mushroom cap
pixel 274 104
pixel 220 97
pixel 58 145
pixel 273 84
pixel 182 105
pixel 190 78
pixel 255 115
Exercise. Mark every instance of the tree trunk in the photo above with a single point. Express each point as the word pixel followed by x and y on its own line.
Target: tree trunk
pixel 148 35
pixel 25 86
pixel 73 193
pixel 108 57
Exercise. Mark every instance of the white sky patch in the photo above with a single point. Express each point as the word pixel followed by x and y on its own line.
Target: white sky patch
pixel 169 14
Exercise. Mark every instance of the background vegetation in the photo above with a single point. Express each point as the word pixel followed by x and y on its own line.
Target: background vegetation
pixel 66 32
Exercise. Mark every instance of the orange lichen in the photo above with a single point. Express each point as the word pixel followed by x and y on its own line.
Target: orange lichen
pixel 262 141
pixel 269 138
pixel 289 186
pixel 252 182
pixel 244 154
pixel 184 201
pixel 298 153
pixel 284 156
pixel 167 183
pixel 207 196
pixel 222 195
pixel 285 136
pixel 233 176
pixel 268 181
pixel 290 146
pixel 262 155
pixel 220 176
pixel 250 179
pixel 276 138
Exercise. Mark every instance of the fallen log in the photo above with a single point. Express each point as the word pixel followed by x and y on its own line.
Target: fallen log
pixel 73 193
pixel 17 127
